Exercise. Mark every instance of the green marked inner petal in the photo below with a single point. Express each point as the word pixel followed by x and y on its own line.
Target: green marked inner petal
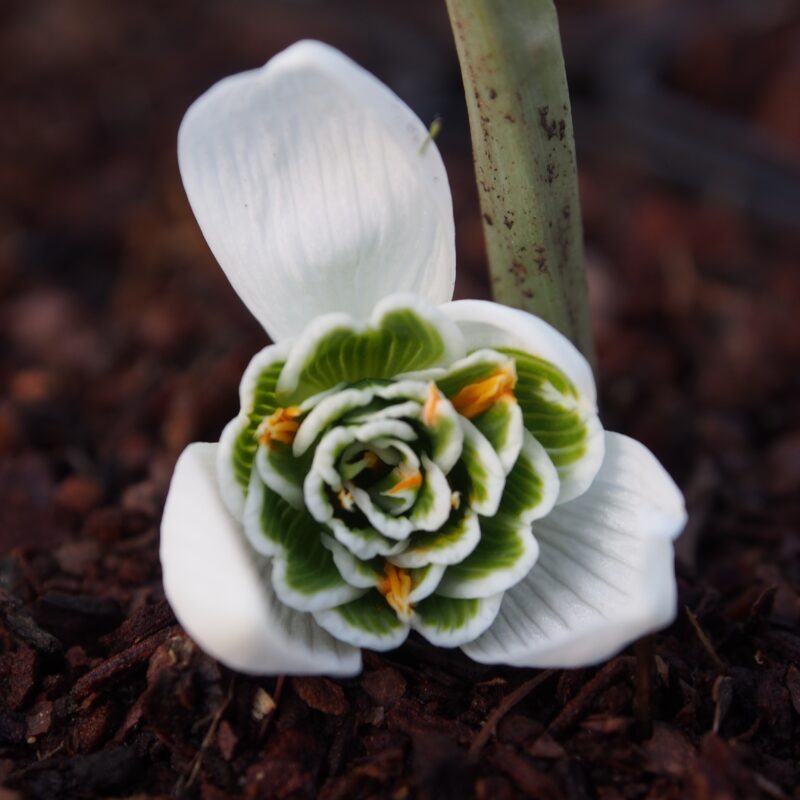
pixel 443 430
pixel 282 472
pixel 326 457
pixel 386 524
pixel 364 543
pixel 484 468
pixel 532 486
pixel 433 502
pixel 400 338
pixel 380 410
pixel 312 402
pixel 366 622
pixel 325 413
pixel 561 420
pixel 505 554
pixel 264 403
pixel 404 389
pixel 424 581
pixel 452 543
pixel 385 496
pixel 358 573
pixel 502 426
pixel 451 622
pixel 476 367
pixel 304 574
pixel 385 429
pixel 315 497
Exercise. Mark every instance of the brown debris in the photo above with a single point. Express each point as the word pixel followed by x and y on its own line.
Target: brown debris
pixel 384 686
pixel 322 694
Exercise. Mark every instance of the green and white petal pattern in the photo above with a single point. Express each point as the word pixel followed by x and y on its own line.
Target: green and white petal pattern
pixel 486 325
pixel 605 574
pixel 403 334
pixel 238 443
pixel 281 472
pixel 563 422
pixel 504 556
pixel 477 366
pixel 325 413
pixel 503 428
pixel 448 622
pixel 531 488
pixel 395 463
pixel 555 387
pixel 358 573
pixel 424 581
pixel 304 574
pixel 452 543
pixel 486 474
pixel 365 622
pixel 365 543
pixel 385 505
pixel 443 429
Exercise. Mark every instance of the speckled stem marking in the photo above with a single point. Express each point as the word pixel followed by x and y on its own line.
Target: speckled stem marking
pixel 516 89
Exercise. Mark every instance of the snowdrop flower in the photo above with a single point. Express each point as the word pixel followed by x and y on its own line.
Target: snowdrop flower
pixel 400 462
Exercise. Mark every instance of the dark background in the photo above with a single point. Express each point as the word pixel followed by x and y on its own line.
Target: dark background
pixel 121 342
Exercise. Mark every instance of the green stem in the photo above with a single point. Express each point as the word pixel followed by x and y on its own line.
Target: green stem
pixel 519 112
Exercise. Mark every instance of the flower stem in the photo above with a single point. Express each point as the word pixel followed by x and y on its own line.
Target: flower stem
pixel 519 112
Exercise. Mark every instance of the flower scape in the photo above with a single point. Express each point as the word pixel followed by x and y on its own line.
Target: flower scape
pixel 400 461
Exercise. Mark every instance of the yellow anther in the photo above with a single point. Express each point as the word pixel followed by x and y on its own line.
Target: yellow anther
pixel 430 411
pixel 476 398
pixel 345 499
pixel 370 459
pixel 396 587
pixel 408 480
pixel 281 426
pixel 455 500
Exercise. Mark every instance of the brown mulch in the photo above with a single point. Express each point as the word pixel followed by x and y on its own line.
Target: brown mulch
pixel 120 342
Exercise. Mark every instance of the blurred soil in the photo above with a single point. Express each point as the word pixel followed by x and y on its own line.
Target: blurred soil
pixel 121 342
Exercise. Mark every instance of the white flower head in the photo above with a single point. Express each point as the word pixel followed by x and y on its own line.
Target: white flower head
pixel 400 461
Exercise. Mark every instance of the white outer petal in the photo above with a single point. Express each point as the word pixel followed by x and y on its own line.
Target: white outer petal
pixel 605 573
pixel 219 588
pixel 489 325
pixel 310 183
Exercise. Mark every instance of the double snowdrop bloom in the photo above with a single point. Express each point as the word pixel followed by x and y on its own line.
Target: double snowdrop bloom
pixel 400 462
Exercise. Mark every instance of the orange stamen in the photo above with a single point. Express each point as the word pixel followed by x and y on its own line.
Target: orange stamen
pixel 281 426
pixel 431 407
pixel 477 397
pixel 345 499
pixel 407 481
pixel 396 587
